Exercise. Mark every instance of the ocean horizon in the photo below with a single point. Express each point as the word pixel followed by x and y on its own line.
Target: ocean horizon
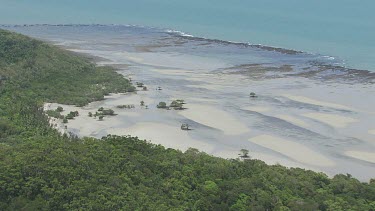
pixel 341 30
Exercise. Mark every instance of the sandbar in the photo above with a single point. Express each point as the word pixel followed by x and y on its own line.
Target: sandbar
pixel 307 100
pixel 258 109
pixel 292 120
pixel 366 156
pixel 296 151
pixel 215 118
pixel 333 120
pixel 166 135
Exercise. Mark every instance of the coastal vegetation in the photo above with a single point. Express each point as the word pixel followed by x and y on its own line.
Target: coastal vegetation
pixel 162 105
pixel 185 127
pixel 40 169
pixel 175 104
pixel 125 106
pixel 139 84
pixel 55 114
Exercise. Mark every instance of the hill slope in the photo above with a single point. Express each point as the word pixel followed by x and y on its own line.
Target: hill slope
pixel 41 170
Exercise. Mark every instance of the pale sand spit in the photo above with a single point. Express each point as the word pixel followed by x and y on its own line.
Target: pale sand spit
pixel 292 150
pixel 372 132
pixel 190 99
pixel 258 109
pixel 166 135
pixel 333 120
pixel 267 158
pixel 173 72
pixel 216 118
pixel 207 86
pixel 86 126
pixel 130 98
pixel 292 120
pixel 366 156
pixel 129 56
pixel 307 100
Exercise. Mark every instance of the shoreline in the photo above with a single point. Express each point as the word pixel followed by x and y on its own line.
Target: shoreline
pixel 192 37
pixel 222 116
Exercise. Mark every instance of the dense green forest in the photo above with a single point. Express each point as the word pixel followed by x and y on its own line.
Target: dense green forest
pixel 43 170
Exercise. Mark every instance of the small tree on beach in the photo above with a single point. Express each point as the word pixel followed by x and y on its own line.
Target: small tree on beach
pixel 181 101
pixel 108 112
pixel 162 105
pixel 70 116
pixel 90 114
pixel 142 103
pixel 59 109
pixel 175 103
pixel 139 84
pixel 244 153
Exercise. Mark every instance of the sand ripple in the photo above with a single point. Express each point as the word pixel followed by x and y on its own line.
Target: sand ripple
pixel 307 100
pixel 216 118
pixel 366 156
pixel 331 119
pixel 292 150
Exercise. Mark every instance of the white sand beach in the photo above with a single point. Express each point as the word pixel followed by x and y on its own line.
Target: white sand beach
pixel 307 100
pixel 83 124
pixel 129 98
pixel 295 151
pixel 177 72
pixel 166 135
pixel 333 120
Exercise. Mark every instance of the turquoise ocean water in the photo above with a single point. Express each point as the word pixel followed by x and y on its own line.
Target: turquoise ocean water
pixel 343 29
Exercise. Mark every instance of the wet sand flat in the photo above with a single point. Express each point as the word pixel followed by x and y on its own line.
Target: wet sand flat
pixel 293 150
pixel 362 155
pixel 333 120
pixel 163 134
pixel 307 100
pixel 216 118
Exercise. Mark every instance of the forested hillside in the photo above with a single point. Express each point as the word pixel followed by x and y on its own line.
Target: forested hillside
pixel 43 170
